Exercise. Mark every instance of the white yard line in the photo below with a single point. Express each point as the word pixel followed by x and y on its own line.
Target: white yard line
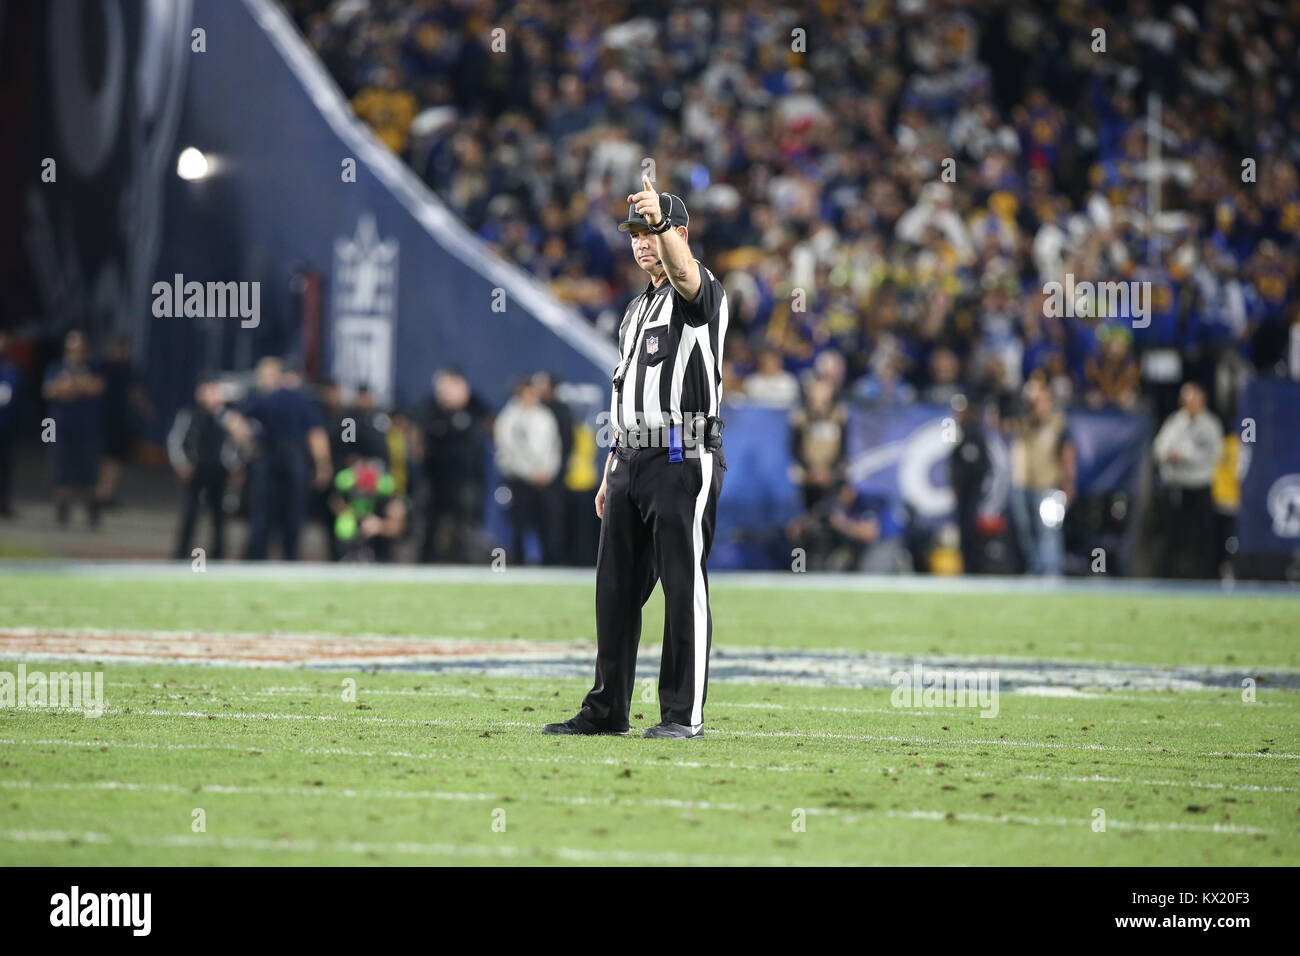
pixel 218 696
pixel 802 735
pixel 1000 742
pixel 191 842
pixel 408 755
pixel 943 713
pixel 1111 823
pixel 350 793
pixel 648 802
pixel 956 772
pixel 53 836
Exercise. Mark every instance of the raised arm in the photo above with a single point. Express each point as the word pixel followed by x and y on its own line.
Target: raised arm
pixel 682 269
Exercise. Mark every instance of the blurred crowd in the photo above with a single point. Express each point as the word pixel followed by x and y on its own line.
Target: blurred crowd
pixel 886 188
pixel 898 194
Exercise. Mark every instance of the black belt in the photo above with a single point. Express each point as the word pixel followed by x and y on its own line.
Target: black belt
pixel 705 430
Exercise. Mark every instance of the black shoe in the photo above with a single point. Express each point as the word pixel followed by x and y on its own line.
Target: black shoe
pixel 670 731
pixel 582 726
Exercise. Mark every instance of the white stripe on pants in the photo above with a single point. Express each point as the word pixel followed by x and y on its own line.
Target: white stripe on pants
pixel 701 594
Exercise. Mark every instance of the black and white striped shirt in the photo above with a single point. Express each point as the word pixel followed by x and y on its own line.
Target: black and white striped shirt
pixel 671 352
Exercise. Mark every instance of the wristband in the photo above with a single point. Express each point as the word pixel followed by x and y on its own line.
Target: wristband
pixel 664 227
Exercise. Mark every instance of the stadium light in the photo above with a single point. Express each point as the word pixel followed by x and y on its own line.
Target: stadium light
pixel 192 165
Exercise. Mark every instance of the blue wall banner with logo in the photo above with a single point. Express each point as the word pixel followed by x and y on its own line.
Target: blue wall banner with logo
pixel 1269 520
pixel 900 453
pixel 898 456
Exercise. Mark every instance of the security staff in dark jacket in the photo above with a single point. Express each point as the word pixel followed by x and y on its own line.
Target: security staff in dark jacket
pixel 970 466
pixel 334 420
pixel 371 438
pixel 203 453
pixel 659 497
pixel 455 424
pixel 287 426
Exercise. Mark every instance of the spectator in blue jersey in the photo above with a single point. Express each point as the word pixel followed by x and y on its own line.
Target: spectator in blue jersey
pixel 73 395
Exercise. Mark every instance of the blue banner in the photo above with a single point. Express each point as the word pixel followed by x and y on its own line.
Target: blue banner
pixel 1269 520
pixel 758 498
pixel 900 454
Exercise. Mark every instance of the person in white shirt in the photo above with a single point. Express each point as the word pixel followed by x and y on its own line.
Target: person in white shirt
pixel 771 384
pixel 1187 447
pixel 528 456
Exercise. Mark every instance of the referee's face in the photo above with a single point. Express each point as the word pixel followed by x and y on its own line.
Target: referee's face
pixel 644 248
pixel 646 251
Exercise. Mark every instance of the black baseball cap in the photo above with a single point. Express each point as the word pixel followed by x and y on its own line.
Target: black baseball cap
pixel 671 206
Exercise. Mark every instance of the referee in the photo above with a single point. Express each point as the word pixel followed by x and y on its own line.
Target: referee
pixel 659 495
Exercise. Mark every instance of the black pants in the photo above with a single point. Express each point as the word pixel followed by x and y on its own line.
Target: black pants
pixel 209 484
pixel 562 529
pixel 535 507
pixel 584 535
pixel 1188 523
pixel 453 518
pixel 972 547
pixel 658 525
pixel 278 486
pixel 527 512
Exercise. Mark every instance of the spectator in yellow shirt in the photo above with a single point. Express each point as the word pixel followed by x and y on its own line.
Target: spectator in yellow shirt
pixel 1225 489
pixel 388 109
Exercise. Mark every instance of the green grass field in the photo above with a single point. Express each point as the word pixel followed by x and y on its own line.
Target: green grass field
pixel 450 768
